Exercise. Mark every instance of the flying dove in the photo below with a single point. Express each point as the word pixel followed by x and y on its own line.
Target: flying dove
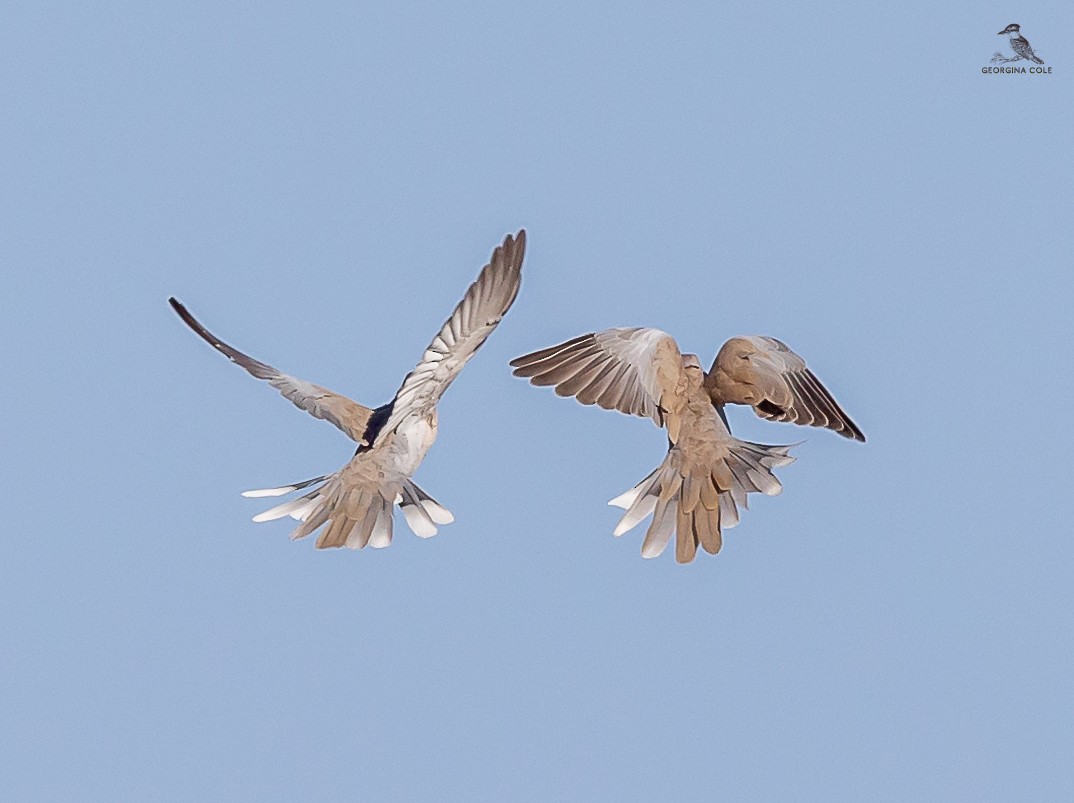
pixel 707 474
pixel 355 504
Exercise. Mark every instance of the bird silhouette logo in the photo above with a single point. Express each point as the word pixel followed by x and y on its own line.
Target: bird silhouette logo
pixel 1020 46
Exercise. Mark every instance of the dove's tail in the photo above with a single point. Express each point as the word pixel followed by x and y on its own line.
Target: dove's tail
pixel 355 514
pixel 697 501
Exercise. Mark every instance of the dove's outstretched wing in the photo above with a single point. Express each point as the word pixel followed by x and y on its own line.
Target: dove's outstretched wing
pixel 479 312
pixel 352 418
pixel 633 370
pixel 764 373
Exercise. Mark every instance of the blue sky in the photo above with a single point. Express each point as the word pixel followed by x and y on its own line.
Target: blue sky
pixel 320 185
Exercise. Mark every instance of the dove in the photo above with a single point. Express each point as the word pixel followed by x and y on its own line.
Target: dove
pixel 355 505
pixel 707 473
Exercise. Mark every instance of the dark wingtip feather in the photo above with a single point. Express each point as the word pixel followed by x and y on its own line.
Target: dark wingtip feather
pixel 180 310
pixel 841 422
pixel 192 322
pixel 256 368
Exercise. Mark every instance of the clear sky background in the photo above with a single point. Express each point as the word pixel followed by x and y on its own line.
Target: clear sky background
pixel 319 185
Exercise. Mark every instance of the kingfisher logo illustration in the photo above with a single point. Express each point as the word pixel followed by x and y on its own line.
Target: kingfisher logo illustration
pixel 1031 63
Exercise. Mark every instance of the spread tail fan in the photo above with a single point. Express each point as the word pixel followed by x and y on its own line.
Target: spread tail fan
pixel 696 503
pixel 354 515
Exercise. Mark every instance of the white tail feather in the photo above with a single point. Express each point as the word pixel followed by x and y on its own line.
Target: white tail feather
pixel 728 511
pixel 302 513
pixel 765 483
pixel 661 530
pixel 634 515
pixel 283 489
pixel 286 509
pixel 269 492
pixel 437 512
pixel 627 499
pixel 418 521
pixel 382 530
pixel 416 517
pixel 433 509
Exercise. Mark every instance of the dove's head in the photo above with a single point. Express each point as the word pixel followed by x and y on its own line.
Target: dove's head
pixel 1012 28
